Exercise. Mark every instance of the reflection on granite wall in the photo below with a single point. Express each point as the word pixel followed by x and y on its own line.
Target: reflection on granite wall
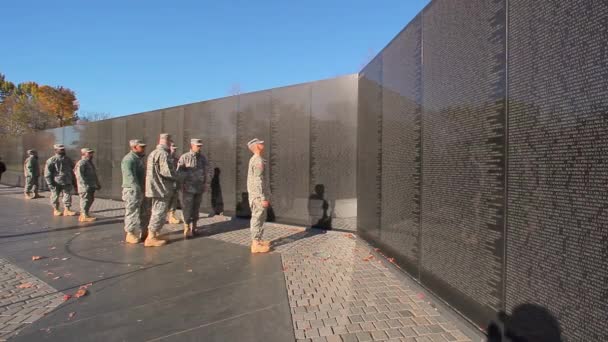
pixel 310 134
pixel 492 203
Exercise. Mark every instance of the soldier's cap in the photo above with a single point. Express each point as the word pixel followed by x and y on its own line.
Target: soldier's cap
pixel 254 142
pixel 165 136
pixel 31 151
pixel 59 147
pixel 197 142
pixel 136 142
pixel 86 150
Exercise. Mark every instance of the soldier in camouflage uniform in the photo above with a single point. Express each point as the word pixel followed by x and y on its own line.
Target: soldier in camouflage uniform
pixel 88 183
pixel 160 183
pixel 58 173
pixel 192 171
pixel 171 217
pixel 133 182
pixel 259 195
pixel 31 170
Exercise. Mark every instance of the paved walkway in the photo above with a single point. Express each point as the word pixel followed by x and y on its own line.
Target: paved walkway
pixel 337 288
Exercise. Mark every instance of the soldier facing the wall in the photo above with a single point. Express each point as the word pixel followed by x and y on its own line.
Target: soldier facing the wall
pixel 192 171
pixel 171 217
pixel 88 183
pixel 160 183
pixel 133 186
pixel 31 170
pixel 58 173
pixel 259 195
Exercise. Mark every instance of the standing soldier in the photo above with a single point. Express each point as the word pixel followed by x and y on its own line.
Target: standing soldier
pixel 88 183
pixel 59 176
pixel 259 195
pixel 133 182
pixel 192 171
pixel 171 218
pixel 160 179
pixel 31 169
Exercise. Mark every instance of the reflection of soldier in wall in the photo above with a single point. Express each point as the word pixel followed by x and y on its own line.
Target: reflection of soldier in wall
pixel 318 209
pixel 31 169
pixel 242 207
pixel 171 217
pixel 217 201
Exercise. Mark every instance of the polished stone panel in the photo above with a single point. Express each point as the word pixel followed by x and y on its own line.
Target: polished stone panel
pixel 557 247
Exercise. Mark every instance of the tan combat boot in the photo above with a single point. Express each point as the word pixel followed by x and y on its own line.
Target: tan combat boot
pixel 68 212
pixel 172 219
pixel 187 231
pixel 86 218
pixel 56 212
pixel 153 241
pixel 131 238
pixel 257 247
pixel 28 197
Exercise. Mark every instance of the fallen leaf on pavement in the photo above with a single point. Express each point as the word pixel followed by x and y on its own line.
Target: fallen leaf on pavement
pixel 421 295
pixel 53 248
pixel 71 315
pixel 64 259
pixel 350 236
pixel 189 271
pixel 391 260
pixel 86 286
pixel 56 278
pixel 25 286
pixel 66 297
pixel 37 257
pixel 368 258
pixel 377 249
pixel 80 293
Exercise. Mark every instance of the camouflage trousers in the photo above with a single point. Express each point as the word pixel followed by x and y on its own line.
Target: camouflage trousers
pixel 160 207
pixel 258 217
pixel 65 191
pixel 173 202
pixel 86 201
pixel 31 185
pixel 136 213
pixel 191 204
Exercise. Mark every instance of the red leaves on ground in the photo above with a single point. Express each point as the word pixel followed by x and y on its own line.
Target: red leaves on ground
pixel 80 293
pixel 66 297
pixel 377 249
pixel 284 268
pixel 25 286
pixel 350 236
pixel 71 315
pixel 368 258
pixel 421 295
pixel 391 260
pixel 37 257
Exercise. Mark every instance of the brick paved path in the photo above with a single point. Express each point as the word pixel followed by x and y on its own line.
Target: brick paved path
pixel 339 288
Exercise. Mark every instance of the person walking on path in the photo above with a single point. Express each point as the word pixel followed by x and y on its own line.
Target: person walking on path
pixel 88 183
pixel 133 183
pixel 58 173
pixel 2 168
pixel 171 217
pixel 31 170
pixel 160 183
pixel 192 172
pixel 259 195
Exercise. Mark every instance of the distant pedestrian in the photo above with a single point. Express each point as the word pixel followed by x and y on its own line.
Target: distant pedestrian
pixel 133 187
pixel 160 186
pixel 88 183
pixel 58 173
pixel 192 171
pixel 2 169
pixel 259 195
pixel 31 171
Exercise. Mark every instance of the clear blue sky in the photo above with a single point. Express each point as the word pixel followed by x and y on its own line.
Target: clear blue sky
pixel 129 56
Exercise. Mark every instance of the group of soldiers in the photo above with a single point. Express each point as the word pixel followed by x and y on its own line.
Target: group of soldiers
pixel 149 190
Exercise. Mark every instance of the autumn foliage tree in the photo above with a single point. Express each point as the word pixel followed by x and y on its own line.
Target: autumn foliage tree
pixel 28 107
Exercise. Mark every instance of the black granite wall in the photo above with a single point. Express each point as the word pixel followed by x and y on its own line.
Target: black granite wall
pixel 493 203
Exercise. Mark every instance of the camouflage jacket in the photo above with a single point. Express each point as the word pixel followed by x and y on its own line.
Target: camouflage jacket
pixel 192 171
pixel 86 175
pixel 31 167
pixel 160 173
pixel 133 172
pixel 59 171
pixel 257 179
